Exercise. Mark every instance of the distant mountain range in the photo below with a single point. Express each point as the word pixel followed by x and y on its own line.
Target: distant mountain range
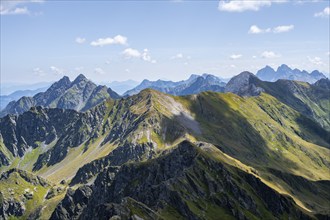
pixel 80 95
pixel 195 84
pixel 284 72
pixel 122 86
pixel 9 88
pixel 5 99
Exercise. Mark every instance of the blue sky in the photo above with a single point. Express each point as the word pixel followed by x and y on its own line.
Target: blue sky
pixel 120 40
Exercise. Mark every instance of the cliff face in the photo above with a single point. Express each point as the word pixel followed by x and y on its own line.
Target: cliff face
pixel 186 181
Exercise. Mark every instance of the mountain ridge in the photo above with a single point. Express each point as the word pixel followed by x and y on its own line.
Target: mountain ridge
pixel 285 72
pixel 193 85
pixel 80 94
pixel 261 139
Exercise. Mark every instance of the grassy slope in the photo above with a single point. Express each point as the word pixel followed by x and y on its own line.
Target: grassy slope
pixel 15 186
pixel 303 97
pixel 260 132
pixel 264 133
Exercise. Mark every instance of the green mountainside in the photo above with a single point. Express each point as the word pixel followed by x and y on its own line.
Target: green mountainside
pixel 261 154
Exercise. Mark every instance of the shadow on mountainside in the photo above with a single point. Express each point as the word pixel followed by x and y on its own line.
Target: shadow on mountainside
pixel 230 131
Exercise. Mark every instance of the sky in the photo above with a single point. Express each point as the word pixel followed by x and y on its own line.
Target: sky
pixel 41 41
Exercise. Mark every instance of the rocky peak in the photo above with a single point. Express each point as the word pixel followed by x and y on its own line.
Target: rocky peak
pixel 145 82
pixel 244 85
pixel 62 83
pixel 80 78
pixel 284 68
pixel 268 68
pixel 323 83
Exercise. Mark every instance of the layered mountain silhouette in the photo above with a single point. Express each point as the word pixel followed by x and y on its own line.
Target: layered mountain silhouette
pixel 258 151
pixel 195 84
pixel 5 99
pixel 80 94
pixel 285 72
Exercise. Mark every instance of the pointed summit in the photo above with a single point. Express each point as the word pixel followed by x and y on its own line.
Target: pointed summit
pixel 63 83
pixel 285 72
pixel 244 85
pixel 80 78
pixel 80 95
pixel 284 68
pixel 65 79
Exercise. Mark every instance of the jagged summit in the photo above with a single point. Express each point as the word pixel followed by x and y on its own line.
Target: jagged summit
pixel 284 68
pixel 64 79
pixel 285 72
pixel 193 85
pixel 81 95
pixel 323 83
pixel 80 78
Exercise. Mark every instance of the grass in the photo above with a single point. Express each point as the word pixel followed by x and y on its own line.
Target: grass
pixel 251 134
pixel 75 159
pixel 15 187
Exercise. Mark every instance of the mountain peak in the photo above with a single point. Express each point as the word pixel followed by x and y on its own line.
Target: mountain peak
pixel 243 85
pixel 317 73
pixel 246 74
pixel 285 72
pixel 80 78
pixel 268 68
pixel 284 68
pixel 64 80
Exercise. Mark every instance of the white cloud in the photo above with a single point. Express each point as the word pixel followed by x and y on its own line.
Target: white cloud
pixel 15 11
pixel 327 53
pixel 130 52
pixel 57 71
pixel 254 57
pixel 119 39
pixel 145 55
pixel 283 28
pixel 315 60
pixel 80 40
pixel 254 29
pixel 325 13
pixel 16 7
pixel 177 56
pixel 133 53
pixel 232 66
pixel 235 56
pixel 39 72
pixel 269 54
pixel 99 71
pixel 180 56
pixel 245 5
pixel 240 6
pixel 127 70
